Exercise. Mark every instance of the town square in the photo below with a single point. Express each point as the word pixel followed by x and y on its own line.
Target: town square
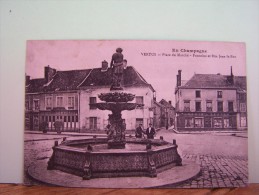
pixel 220 167
pixel 115 123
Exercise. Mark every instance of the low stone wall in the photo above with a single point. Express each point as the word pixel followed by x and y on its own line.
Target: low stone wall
pixel 87 163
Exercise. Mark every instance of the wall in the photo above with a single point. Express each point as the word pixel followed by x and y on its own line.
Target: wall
pixel 102 116
pixel 207 94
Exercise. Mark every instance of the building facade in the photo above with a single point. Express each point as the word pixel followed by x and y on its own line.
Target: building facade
pixel 211 102
pixel 158 114
pixel 164 114
pixel 168 114
pixel 67 96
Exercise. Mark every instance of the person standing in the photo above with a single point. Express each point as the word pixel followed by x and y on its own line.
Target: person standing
pixel 139 131
pixel 150 132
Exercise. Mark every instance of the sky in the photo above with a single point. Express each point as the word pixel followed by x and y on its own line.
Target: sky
pixel 157 61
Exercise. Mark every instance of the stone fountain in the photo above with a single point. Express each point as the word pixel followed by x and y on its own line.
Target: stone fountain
pixel 116 102
pixel 116 155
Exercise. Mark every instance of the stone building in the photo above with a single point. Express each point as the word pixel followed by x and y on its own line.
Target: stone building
pixel 168 114
pixel 211 102
pixel 164 114
pixel 158 113
pixel 67 96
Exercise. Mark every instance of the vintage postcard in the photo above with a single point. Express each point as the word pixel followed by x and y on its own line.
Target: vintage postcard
pixel 135 114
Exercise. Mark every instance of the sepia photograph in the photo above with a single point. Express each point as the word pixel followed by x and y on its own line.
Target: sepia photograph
pixel 135 114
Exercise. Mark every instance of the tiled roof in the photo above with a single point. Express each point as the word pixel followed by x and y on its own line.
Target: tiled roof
pixel 35 85
pixel 240 83
pixel 165 103
pixel 74 79
pixel 160 105
pixel 98 78
pixel 67 80
pixel 214 81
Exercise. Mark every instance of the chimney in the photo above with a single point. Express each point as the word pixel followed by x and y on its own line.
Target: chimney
pixel 104 66
pixel 49 73
pixel 154 96
pixel 230 78
pixel 179 78
pixel 27 80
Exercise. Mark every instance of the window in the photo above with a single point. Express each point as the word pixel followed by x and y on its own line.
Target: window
pixel 243 121
pixel 48 102
pixel 220 106
pixel 27 105
pixel 227 123
pixel 71 102
pixel 198 122
pixel 36 104
pixel 59 101
pixel 188 122
pixel 186 104
pixel 139 121
pixel 139 100
pixel 93 122
pixel 242 97
pixel 219 94
pixel 230 107
pixel 92 101
pixel 198 106
pixel 197 94
pixel 209 106
pixel 242 107
pixel 218 122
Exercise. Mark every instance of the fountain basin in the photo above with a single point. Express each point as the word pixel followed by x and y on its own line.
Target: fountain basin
pixel 88 158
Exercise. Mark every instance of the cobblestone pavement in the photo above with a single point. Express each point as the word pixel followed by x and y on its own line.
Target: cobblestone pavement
pixel 223 158
pixel 218 171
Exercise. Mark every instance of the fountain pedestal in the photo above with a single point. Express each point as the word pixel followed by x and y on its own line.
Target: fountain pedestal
pixel 116 102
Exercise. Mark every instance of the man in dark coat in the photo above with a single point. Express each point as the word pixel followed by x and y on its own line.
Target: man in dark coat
pixel 139 131
pixel 150 132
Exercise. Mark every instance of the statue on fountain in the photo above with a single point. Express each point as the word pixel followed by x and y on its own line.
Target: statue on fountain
pixel 117 101
pixel 117 68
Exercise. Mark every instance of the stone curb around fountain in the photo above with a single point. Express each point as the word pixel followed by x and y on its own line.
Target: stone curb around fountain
pixel 173 176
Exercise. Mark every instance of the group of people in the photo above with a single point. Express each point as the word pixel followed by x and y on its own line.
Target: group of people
pixel 150 132
pixel 139 133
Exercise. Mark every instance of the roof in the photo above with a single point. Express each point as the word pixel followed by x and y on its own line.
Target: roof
pixel 67 80
pixel 240 83
pixel 165 103
pixel 35 85
pixel 214 81
pixel 98 78
pixel 76 79
pixel 157 103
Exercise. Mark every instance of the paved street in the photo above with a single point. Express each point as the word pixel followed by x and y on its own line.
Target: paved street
pixel 222 156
